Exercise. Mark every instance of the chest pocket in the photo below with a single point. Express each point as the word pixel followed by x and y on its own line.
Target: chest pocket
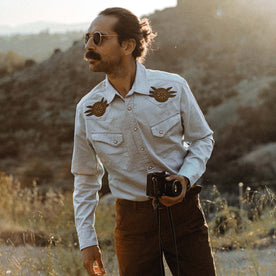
pixel 167 136
pixel 111 149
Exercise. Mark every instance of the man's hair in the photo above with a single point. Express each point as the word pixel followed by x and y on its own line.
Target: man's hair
pixel 129 26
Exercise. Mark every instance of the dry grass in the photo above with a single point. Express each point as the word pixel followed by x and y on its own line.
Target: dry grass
pixel 38 235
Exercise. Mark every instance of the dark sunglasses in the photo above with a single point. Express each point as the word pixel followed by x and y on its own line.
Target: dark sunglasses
pixel 97 37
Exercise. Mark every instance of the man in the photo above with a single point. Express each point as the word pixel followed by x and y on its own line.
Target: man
pixel 136 122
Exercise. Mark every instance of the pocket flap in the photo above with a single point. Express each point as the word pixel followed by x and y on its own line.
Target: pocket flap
pixel 108 138
pixel 163 127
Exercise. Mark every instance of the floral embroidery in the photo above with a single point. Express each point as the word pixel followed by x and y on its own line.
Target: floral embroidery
pixel 162 94
pixel 98 109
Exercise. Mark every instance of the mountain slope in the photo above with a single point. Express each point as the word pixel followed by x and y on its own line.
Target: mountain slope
pixel 226 60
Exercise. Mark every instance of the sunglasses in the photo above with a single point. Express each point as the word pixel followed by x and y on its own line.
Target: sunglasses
pixel 97 37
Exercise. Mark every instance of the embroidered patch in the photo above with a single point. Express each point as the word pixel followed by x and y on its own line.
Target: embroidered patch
pixel 98 109
pixel 162 94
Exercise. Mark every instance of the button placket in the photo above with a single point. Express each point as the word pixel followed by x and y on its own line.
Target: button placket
pixel 138 140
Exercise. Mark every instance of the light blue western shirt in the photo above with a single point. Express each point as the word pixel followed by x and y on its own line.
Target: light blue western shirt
pixel 158 126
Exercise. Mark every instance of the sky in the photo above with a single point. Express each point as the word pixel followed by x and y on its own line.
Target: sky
pixel 17 12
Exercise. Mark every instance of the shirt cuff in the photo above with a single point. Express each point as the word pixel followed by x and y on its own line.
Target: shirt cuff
pixel 87 237
pixel 191 176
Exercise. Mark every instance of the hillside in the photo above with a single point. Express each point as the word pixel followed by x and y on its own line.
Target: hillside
pixel 226 60
pixel 37 118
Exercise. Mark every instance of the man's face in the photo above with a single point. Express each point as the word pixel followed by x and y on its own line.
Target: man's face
pixel 106 56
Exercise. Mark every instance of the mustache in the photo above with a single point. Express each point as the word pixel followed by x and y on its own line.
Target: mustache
pixel 92 54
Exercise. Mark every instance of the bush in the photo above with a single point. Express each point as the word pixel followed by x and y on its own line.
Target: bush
pixel 10 62
pixel 29 62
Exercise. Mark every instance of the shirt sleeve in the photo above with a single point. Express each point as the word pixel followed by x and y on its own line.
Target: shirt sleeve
pixel 197 134
pixel 88 172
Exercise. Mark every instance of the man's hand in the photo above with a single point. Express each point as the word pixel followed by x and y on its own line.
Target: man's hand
pixel 168 200
pixel 89 256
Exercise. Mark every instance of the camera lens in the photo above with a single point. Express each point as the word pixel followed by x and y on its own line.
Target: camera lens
pixel 173 188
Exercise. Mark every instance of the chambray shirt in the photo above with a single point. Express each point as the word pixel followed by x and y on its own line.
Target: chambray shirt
pixel 158 126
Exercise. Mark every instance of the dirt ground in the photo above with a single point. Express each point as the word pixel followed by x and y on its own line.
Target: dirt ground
pixel 260 262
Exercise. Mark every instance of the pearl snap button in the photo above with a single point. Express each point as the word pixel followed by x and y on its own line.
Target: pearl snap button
pixel 115 142
pixel 142 148
pixel 129 108
pixel 160 131
pixel 135 129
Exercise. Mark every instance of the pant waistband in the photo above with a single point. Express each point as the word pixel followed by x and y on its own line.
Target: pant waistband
pixel 134 204
pixel 148 203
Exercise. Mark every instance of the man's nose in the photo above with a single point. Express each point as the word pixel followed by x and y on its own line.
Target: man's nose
pixel 90 44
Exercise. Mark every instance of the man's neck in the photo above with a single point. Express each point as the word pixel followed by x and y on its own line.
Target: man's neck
pixel 123 79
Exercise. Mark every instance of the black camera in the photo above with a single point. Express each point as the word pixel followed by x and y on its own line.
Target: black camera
pixel 158 186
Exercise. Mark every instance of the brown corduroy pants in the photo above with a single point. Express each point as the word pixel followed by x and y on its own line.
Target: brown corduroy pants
pixel 137 239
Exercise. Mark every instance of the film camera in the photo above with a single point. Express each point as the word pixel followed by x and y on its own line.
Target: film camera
pixel 158 186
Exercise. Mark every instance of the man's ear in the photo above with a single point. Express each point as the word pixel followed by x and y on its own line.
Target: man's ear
pixel 128 46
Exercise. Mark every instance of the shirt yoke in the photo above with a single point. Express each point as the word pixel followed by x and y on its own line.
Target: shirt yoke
pixel 156 75
pixel 99 88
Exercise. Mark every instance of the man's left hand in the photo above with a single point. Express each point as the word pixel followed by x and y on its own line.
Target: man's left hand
pixel 168 200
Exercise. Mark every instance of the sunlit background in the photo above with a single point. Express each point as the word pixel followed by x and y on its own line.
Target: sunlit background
pixel 18 12
pixel 225 49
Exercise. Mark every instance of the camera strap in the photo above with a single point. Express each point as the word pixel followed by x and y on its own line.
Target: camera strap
pixel 174 240
pixel 156 204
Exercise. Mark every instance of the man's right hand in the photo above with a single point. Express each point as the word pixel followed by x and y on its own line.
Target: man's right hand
pixel 90 255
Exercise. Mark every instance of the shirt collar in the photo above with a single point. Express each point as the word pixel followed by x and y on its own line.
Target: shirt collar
pixel 140 84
